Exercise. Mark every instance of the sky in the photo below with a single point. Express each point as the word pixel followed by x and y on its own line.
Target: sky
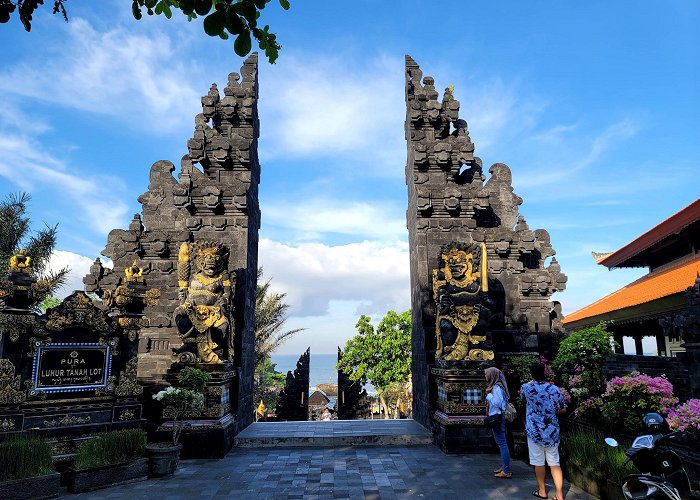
pixel 594 106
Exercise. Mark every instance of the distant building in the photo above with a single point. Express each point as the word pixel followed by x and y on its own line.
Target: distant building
pixel 318 401
pixel 659 303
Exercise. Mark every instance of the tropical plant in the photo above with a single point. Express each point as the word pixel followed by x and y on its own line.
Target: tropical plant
pixel 270 316
pixel 188 396
pixel 381 357
pixel 48 303
pixel 14 236
pixel 580 359
pixel 114 447
pixel 627 398
pixel 237 18
pixel 22 457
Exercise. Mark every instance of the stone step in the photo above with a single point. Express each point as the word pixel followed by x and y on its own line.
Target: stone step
pixel 336 433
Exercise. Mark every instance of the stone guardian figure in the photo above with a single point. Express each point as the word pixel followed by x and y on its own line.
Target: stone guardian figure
pixel 205 291
pixel 462 313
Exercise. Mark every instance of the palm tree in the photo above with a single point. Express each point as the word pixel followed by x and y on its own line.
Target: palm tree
pixel 270 315
pixel 14 229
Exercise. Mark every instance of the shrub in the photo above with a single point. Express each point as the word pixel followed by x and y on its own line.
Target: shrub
pixel 24 457
pixel 627 398
pixel 112 447
pixel 580 358
pixel 185 398
pixel 685 417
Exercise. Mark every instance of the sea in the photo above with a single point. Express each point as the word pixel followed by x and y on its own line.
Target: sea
pixel 321 368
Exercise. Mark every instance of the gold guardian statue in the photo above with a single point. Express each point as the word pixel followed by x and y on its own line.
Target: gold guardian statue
pixel 462 317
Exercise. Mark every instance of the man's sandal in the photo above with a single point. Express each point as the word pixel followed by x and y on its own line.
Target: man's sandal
pixel 504 475
pixel 536 494
pixel 496 471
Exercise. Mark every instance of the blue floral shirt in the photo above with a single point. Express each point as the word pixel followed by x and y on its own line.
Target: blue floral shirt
pixel 541 422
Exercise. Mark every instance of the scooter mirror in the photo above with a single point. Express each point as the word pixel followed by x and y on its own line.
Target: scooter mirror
pixel 611 442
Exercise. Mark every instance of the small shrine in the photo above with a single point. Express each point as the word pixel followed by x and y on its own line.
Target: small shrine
pixel 72 371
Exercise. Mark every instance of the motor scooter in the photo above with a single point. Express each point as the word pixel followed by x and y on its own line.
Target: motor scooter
pixel 662 473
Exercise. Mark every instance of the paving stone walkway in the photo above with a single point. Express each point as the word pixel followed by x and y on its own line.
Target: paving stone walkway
pixel 361 473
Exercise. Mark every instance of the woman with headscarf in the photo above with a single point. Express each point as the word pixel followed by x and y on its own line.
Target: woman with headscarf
pixel 497 396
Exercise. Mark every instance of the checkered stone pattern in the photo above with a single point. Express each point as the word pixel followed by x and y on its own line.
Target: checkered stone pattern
pixel 472 396
pixel 352 473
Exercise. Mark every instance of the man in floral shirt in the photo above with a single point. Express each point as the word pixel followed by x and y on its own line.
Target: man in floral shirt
pixel 544 402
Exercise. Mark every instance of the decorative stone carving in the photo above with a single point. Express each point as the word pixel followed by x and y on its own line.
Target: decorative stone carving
pixel 462 314
pixel 205 294
pixel 10 390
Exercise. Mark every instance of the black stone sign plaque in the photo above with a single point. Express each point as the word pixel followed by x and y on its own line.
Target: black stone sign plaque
pixel 71 367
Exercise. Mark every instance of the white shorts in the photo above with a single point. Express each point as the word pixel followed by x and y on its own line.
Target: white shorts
pixel 539 453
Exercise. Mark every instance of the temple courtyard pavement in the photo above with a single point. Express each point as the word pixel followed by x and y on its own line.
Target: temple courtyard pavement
pixel 367 459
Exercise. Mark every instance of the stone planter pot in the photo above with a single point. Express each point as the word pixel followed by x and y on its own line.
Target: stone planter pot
pixel 95 478
pixel 163 458
pixel 48 486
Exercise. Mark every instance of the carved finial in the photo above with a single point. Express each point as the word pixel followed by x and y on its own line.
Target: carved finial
pixel 20 263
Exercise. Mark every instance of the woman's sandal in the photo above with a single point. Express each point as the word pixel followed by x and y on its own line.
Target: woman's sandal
pixel 504 475
pixel 536 494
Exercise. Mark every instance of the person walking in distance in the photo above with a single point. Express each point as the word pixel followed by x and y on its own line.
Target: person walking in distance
pixel 496 398
pixel 544 403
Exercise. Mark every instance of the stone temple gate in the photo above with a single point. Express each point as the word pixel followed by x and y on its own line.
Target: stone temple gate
pixel 451 203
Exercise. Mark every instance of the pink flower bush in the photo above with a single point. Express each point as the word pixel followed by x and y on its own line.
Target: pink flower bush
pixel 627 398
pixel 685 417
pixel 565 394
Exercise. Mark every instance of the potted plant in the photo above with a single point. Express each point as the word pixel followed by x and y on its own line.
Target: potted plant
pixel 26 469
pixel 180 400
pixel 107 459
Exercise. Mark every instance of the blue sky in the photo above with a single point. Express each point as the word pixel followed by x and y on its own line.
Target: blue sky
pixel 594 105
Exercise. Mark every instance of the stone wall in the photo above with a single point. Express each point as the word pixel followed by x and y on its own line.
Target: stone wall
pixel 451 200
pixel 215 198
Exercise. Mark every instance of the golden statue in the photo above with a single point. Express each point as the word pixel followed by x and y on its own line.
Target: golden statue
pixel 20 263
pixel 462 317
pixel 133 272
pixel 203 314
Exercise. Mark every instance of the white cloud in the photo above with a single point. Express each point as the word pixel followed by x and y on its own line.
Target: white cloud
pixel 26 164
pixel 311 106
pixel 312 219
pixel 374 275
pixel 79 266
pixel 114 73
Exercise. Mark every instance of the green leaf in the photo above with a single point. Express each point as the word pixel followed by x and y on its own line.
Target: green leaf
pixel 136 10
pixel 214 23
pixel 284 4
pixel 202 7
pixel 150 3
pixel 166 10
pixel 186 6
pixel 234 24
pixel 242 45
pixel 159 9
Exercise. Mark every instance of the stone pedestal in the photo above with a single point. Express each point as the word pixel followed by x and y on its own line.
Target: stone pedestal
pixel 458 421
pixel 209 432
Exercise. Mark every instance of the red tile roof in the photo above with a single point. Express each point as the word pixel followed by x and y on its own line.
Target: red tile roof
pixel 670 226
pixel 660 283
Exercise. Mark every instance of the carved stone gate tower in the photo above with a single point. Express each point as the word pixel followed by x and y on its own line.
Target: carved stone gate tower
pixel 214 198
pixel 450 201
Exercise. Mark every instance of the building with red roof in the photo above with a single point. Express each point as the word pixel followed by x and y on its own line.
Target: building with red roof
pixel 661 303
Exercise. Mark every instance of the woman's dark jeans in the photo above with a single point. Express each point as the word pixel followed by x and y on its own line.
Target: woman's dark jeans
pixel 499 435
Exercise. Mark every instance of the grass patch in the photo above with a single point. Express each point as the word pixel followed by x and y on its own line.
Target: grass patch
pixel 22 457
pixel 589 451
pixel 111 448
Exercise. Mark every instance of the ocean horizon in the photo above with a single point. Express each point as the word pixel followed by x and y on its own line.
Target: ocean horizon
pixel 321 368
